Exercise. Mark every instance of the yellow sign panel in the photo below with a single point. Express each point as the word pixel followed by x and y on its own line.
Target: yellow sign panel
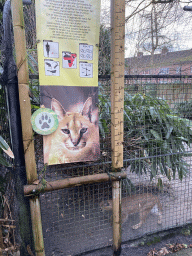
pixel 68 45
pixel 68 42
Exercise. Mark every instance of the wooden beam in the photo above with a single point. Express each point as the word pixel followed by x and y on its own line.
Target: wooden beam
pixel 117 111
pixel 117 81
pixel 116 198
pixel 25 109
pixel 72 182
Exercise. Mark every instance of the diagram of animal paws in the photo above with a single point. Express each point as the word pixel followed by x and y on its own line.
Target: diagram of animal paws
pixel 44 121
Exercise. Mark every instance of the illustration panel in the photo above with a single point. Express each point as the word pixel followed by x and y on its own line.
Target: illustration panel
pixel 69 60
pixel 51 67
pixel 51 49
pixel 77 136
pixel 86 52
pixel 86 69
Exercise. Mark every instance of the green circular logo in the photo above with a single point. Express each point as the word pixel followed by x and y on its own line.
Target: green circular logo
pixel 44 121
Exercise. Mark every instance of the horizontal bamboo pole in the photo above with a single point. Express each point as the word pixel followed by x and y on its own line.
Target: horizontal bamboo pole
pixel 72 182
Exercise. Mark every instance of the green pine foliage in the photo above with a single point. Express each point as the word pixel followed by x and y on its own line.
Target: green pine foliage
pixel 155 138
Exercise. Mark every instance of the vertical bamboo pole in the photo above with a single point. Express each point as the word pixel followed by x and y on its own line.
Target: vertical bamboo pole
pixel 116 197
pixel 117 110
pixel 25 108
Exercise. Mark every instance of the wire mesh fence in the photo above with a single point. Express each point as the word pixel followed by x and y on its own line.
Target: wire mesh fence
pixel 156 195
pixel 158 161
pixel 72 219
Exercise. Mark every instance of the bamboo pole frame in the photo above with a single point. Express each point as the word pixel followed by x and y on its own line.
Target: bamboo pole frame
pixel 117 111
pixel 117 102
pixel 72 182
pixel 25 109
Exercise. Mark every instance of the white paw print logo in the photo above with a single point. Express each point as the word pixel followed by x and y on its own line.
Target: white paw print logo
pixel 44 121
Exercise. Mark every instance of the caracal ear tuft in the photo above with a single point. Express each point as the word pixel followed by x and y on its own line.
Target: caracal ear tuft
pixel 57 107
pixel 87 108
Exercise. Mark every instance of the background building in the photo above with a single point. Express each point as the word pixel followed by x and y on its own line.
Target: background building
pixel 165 63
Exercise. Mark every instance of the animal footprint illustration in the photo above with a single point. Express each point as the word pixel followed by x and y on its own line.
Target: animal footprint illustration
pixel 44 121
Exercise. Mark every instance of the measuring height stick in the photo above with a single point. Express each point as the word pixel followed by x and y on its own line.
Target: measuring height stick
pixel 117 80
pixel 117 109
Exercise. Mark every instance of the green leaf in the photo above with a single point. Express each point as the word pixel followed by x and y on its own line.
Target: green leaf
pixel 153 113
pixel 127 116
pixel 4 162
pixel 34 106
pixel 6 147
pixel 170 129
pixel 3 144
pixel 155 134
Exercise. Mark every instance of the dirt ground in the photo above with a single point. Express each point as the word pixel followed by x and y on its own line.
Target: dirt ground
pixel 135 248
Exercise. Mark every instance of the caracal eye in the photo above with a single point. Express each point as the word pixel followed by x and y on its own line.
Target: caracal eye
pixel 66 131
pixel 83 130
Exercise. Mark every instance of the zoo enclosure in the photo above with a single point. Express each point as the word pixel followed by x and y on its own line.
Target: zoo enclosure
pixel 73 215
pixel 78 209
pixel 74 207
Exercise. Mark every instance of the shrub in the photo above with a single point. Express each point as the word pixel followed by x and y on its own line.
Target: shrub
pixel 155 138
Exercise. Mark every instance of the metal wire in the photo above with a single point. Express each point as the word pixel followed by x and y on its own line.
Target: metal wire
pixel 71 215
